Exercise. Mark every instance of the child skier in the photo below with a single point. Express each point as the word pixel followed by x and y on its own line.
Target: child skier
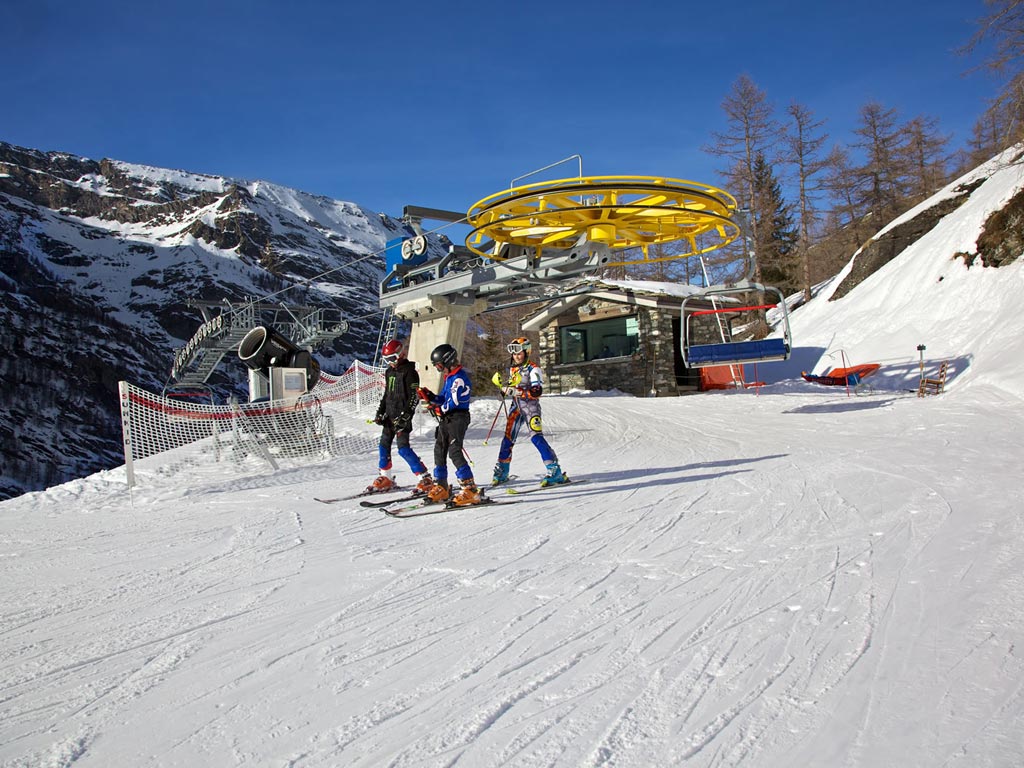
pixel 394 414
pixel 451 409
pixel 525 384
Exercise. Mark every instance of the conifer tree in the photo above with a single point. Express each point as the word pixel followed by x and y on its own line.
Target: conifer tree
pixel 803 146
pixel 882 176
pixel 987 138
pixel 776 233
pixel 1004 26
pixel 750 129
pixel 925 152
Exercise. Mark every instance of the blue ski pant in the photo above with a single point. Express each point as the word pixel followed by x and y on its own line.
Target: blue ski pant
pixel 525 413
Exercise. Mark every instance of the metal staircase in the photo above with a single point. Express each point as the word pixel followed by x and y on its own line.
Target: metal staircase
pixel 388 326
pixel 223 330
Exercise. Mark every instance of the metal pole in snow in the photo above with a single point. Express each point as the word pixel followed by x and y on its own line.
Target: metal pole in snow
pixel 846 377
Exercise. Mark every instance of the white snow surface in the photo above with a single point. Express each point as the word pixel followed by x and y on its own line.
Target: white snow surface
pixel 784 577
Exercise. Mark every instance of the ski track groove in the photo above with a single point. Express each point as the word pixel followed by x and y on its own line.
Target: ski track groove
pixel 748 643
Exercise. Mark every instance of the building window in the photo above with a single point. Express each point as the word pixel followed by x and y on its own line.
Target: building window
pixel 599 339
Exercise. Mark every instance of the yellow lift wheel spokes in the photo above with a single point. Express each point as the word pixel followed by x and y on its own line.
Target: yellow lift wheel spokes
pixel 622 212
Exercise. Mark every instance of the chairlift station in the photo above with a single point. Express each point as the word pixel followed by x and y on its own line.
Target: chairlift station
pixel 525 245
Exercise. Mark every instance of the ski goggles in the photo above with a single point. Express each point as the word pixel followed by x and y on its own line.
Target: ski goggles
pixel 513 348
pixel 390 359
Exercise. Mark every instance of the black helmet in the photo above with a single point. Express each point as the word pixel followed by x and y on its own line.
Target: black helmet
pixel 446 355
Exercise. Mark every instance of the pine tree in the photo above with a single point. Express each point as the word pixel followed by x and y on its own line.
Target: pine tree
pixel 775 247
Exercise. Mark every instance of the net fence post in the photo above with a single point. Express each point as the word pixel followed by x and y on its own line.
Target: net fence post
pixel 358 369
pixel 126 431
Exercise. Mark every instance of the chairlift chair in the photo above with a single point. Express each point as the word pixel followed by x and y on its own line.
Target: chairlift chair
pixel 698 352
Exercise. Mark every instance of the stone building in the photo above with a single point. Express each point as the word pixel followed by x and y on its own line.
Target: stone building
pixel 622 335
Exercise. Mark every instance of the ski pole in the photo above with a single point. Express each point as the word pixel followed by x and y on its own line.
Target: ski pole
pixel 496 378
pixel 497 413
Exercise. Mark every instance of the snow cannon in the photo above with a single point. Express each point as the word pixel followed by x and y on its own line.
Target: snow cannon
pixel 267 352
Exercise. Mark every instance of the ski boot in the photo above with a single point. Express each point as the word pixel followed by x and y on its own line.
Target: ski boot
pixel 500 473
pixel 555 475
pixel 438 491
pixel 425 484
pixel 382 484
pixel 468 495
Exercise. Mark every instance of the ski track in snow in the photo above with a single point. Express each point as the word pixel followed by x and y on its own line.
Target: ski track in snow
pixel 709 598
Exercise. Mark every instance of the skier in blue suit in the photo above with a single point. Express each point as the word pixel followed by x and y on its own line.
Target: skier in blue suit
pixel 451 409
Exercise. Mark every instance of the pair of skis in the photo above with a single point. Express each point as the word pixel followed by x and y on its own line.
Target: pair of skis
pixel 427 507
pixel 416 504
pixel 536 488
pixel 411 505
pixel 415 508
pixel 362 494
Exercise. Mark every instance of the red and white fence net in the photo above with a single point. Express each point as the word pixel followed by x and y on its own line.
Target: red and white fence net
pixel 329 421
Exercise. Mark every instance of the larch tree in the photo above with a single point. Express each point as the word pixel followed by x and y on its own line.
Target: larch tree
pixel 987 139
pixel 926 157
pixel 802 150
pixel 846 214
pixel 484 350
pixel 750 129
pixel 883 172
pixel 1003 25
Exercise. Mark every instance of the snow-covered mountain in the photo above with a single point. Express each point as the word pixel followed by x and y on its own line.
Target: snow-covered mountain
pixel 98 263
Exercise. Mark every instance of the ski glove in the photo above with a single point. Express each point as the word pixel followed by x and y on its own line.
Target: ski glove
pixel 425 394
pixel 380 418
pixel 404 423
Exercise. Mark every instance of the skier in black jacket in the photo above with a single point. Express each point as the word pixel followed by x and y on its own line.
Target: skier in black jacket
pixel 394 414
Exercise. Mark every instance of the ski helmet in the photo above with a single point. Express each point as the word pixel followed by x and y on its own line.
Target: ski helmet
pixel 522 344
pixel 392 352
pixel 446 355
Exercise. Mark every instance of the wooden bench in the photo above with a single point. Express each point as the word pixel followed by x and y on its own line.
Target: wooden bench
pixel 934 386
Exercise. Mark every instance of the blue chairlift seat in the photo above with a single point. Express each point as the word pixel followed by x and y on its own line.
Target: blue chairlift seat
pixel 697 355
pixel 737 352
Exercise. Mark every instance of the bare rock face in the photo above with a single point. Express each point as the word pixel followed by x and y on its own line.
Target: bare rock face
pixel 887 246
pixel 1002 239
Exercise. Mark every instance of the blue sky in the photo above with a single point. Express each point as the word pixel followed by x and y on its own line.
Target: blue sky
pixel 441 104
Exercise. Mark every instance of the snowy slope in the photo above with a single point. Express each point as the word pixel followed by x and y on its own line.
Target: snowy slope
pixel 927 295
pixel 786 578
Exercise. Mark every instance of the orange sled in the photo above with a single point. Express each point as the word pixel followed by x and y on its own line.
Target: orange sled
pixel 839 377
